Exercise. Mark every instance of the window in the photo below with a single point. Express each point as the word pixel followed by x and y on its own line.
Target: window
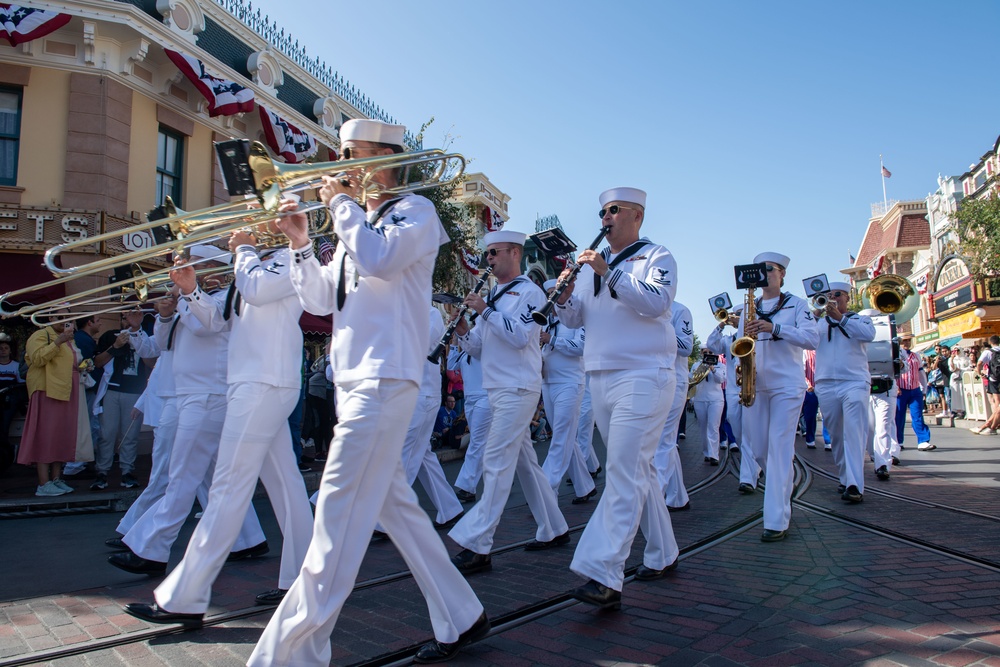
pixel 10 134
pixel 169 166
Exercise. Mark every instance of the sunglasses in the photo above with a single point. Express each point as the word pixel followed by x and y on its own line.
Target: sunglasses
pixel 613 210
pixel 773 267
pixel 493 252
pixel 837 294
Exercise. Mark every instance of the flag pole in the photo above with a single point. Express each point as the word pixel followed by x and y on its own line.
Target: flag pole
pixel 881 171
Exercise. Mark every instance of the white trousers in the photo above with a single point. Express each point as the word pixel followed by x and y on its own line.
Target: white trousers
pixel 845 407
pixel 709 414
pixel 562 407
pixel 770 425
pixel 256 443
pixel 479 417
pixel 585 430
pixel 192 460
pixel 630 408
pixel 735 413
pixel 882 427
pixel 957 392
pixel 669 471
pixel 508 449
pixel 364 482
pixel 163 441
pixel 419 460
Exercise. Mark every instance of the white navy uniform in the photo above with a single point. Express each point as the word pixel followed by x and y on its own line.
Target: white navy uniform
pixel 632 382
pixel 721 344
pixel 477 415
pixel 882 418
pixel 200 368
pixel 261 313
pixel 377 286
pixel 505 340
pixel 668 461
pixel 843 387
pixel 418 459
pixel 769 424
pixel 585 431
pixel 563 380
pixel 708 401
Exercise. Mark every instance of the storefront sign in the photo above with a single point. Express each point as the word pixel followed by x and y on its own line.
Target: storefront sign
pixel 960 297
pixel 951 272
pixel 958 325
pixel 927 337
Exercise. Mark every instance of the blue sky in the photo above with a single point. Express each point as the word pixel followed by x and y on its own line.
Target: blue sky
pixel 752 125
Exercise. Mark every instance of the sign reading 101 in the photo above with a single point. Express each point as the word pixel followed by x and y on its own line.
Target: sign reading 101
pixel 137 241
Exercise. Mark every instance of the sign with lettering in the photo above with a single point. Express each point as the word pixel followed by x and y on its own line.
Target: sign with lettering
pixel 952 300
pixel 953 271
pixel 137 241
pixel 960 324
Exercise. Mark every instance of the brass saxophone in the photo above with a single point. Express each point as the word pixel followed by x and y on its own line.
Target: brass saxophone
pixel 743 348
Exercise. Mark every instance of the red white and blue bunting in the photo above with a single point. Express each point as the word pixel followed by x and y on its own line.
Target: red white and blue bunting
pixel 22 24
pixel 285 139
pixel 225 97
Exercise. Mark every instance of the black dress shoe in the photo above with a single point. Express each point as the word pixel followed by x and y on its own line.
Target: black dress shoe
pixel 895 460
pixel 596 472
pixel 683 508
pixel 130 562
pixel 841 488
pixel 449 523
pixel 707 459
pixel 436 651
pixel 882 473
pixel 713 462
pixel 464 496
pixel 271 597
pixel 469 562
pixel 249 552
pixel 598 595
pixel 579 500
pixel 852 495
pixel 773 535
pixel 153 614
pixel 116 544
pixel 649 574
pixel 746 489
pixel 557 541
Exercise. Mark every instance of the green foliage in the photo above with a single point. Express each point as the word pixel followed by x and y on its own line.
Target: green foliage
pixel 978 222
pixel 695 355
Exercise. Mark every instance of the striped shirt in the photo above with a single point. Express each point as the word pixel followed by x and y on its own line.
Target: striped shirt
pixel 909 375
pixel 810 357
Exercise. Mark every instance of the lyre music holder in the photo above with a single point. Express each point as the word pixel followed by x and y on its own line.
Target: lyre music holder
pixel 553 242
pixel 751 276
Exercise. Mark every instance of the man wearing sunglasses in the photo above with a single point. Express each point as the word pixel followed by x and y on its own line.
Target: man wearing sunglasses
pixel 506 341
pixel 843 386
pixel 377 286
pixel 783 327
pixel 623 297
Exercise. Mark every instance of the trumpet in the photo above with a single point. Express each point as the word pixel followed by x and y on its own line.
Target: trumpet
pixel 435 355
pixel 721 315
pixel 541 316
pixel 818 303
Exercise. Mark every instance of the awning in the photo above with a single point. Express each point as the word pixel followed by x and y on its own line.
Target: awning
pixel 20 271
pixel 928 348
pixel 316 325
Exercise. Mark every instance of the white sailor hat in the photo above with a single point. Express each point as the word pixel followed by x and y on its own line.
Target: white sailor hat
pixel 504 236
pixel 364 129
pixel 210 252
pixel 773 257
pixel 631 195
pixel 843 287
pixel 550 284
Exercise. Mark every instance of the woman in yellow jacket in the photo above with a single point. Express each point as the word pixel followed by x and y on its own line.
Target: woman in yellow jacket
pixel 50 429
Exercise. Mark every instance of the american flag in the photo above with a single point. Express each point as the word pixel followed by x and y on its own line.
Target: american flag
pixel 225 97
pixel 22 24
pixel 325 250
pixel 886 173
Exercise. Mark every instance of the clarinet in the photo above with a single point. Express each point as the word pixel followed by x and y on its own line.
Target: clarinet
pixel 435 356
pixel 542 316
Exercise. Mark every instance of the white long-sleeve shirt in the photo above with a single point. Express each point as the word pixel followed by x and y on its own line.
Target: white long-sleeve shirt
pixel 842 353
pixel 720 343
pixel 562 356
pixel 200 359
pixel 630 330
pixel 265 340
pixel 709 390
pixel 681 320
pixel 430 383
pixel 779 361
pixel 470 368
pixel 387 263
pixel 505 339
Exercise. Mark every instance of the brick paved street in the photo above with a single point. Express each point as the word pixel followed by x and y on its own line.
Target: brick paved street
pixel 910 576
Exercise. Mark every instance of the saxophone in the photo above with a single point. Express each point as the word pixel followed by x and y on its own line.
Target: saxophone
pixel 743 348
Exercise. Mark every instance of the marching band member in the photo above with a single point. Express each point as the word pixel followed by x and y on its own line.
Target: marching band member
pixel 506 340
pixel 562 392
pixel 478 416
pixel 721 344
pixel 260 310
pixel 784 326
pixel 200 365
pixel 377 286
pixel 843 386
pixel 708 401
pixel 668 460
pixel 585 432
pixel 882 417
pixel 623 296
